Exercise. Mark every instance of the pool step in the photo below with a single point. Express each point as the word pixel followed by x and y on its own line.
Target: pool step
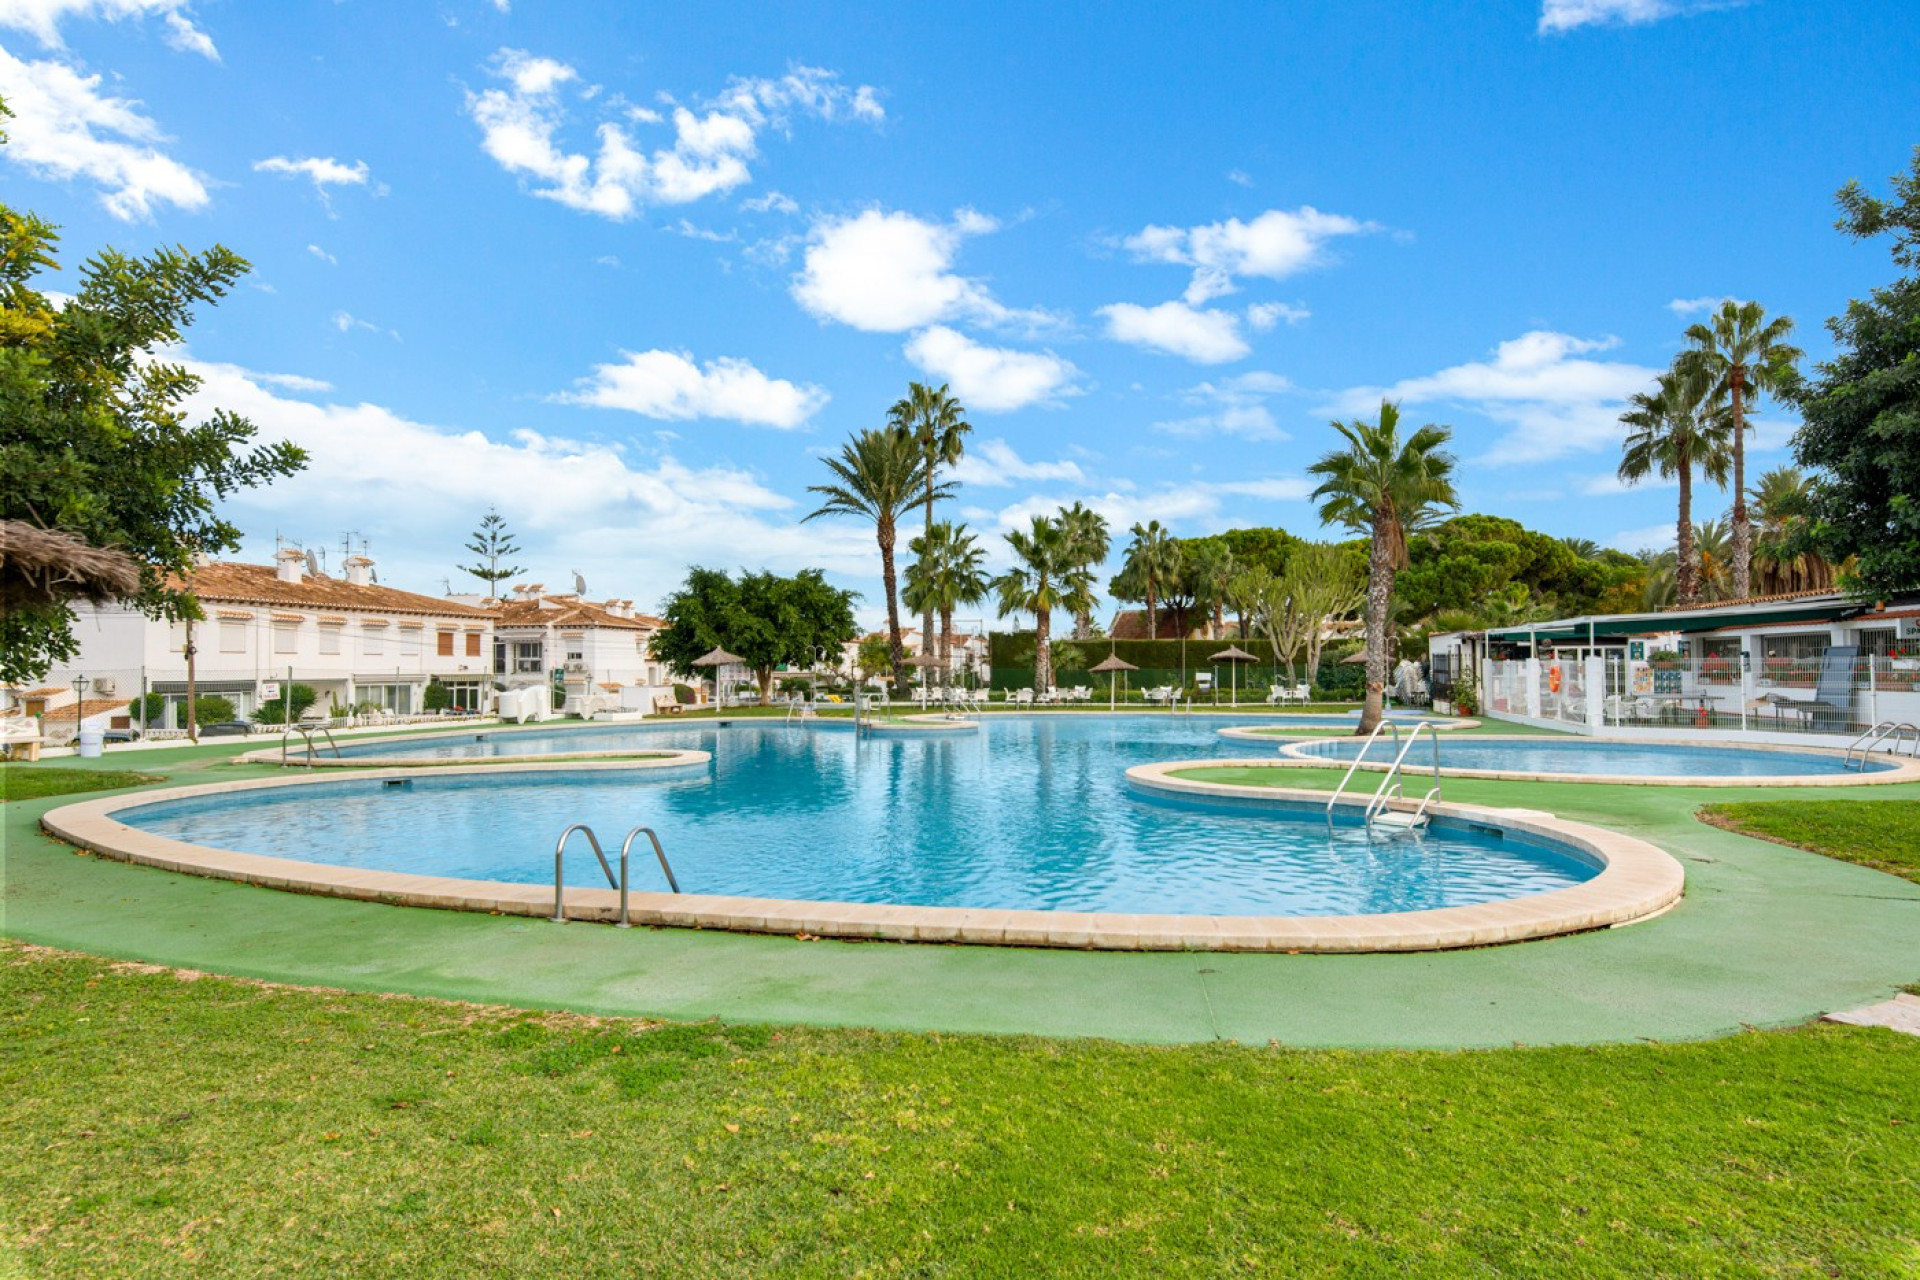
pixel 1396 821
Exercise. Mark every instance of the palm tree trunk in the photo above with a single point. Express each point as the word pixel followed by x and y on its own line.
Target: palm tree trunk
pixel 895 652
pixel 926 616
pixel 1042 651
pixel 946 645
pixel 1742 526
pixel 1379 595
pixel 1153 625
pixel 1686 582
pixel 1219 620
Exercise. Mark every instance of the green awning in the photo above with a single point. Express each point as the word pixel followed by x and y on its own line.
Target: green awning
pixel 1690 620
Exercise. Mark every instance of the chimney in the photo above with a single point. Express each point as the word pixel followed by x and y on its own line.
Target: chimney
pixel 290 565
pixel 359 570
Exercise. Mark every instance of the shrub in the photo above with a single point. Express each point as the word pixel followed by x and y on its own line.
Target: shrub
pixel 213 709
pixel 294 700
pixel 152 709
pixel 436 697
pixel 683 694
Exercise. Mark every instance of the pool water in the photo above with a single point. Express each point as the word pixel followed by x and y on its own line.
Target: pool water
pixel 1030 812
pixel 1629 759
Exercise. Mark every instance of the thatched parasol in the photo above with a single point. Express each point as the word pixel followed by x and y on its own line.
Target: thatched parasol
pixel 47 566
pixel 1236 655
pixel 715 658
pixel 1111 663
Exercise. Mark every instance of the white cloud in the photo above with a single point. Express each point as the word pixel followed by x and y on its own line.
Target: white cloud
pixel 1609 483
pixel 1654 537
pixel 1197 505
pixel 1696 306
pixel 521 122
pixel 1262 316
pixel 323 255
pixel 1207 337
pixel 668 384
pixel 772 202
pixel 415 489
pixel 347 322
pixel 322 171
pixel 994 464
pixel 1557 16
pixel 1239 177
pixel 42 19
pixel 503 6
pixel 1233 407
pixel 1276 244
pixel 64 128
pixel 991 379
pixel 290 381
pixel 1554 400
pixel 889 272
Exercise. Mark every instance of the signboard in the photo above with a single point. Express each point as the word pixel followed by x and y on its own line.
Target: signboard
pixel 270 690
pixel 1636 649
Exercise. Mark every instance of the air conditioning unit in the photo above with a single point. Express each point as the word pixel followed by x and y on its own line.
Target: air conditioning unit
pixel 104 686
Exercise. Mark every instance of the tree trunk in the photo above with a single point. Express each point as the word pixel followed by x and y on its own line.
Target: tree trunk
pixel 764 677
pixel 1686 582
pixel 926 615
pixel 896 657
pixel 1153 622
pixel 1742 526
pixel 946 646
pixel 1379 594
pixel 1042 652
pixel 1219 620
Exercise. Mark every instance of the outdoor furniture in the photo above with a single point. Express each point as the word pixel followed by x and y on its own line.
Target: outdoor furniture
pixel 1831 706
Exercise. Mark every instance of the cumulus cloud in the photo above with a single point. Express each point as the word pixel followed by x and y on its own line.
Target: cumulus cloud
pixel 1203 336
pixel 1697 306
pixel 1262 316
pixel 323 255
pixel 42 18
pixel 991 379
pixel 65 128
pixel 1541 385
pixel 1654 537
pixel 1231 407
pixel 771 202
pixel 1277 244
pixel 995 464
pixel 889 272
pixel 1196 506
pixel 522 120
pixel 322 171
pixel 669 385
pixel 1558 16
pixel 347 322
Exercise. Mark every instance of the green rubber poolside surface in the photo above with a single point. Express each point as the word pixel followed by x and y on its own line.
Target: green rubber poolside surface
pixel 1766 936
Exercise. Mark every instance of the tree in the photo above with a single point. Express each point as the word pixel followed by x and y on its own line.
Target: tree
pixel 1741 353
pixel 1326 585
pixel 947 572
pixel 1153 560
pixel 1784 558
pixel 492 543
pixel 874 657
pixel 1269 606
pixel 768 620
pixel 1207 569
pixel 1683 424
pixel 1041 558
pixel 97 443
pixel 1088 542
pixel 1861 415
pixel 1387 489
pixel 939 427
pixel 880 474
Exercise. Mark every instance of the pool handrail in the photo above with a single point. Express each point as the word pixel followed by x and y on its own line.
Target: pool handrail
pixel 1386 722
pixel 1389 788
pixel 1887 733
pixel 658 852
pixel 559 886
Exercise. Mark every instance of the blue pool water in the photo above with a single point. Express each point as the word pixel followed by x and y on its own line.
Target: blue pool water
pixel 1640 760
pixel 1030 812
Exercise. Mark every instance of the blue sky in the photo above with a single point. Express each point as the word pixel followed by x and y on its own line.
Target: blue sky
pixel 625 275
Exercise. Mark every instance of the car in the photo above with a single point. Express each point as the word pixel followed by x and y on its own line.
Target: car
pixel 224 729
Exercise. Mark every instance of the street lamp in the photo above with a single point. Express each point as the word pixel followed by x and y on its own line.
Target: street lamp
pixel 80 684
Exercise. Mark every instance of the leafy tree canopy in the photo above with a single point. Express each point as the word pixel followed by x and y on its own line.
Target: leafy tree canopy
pixel 1472 564
pixel 1861 412
pixel 97 442
pixel 768 620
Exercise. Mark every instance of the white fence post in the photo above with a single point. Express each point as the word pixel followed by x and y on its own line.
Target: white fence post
pixel 1532 678
pixel 1596 691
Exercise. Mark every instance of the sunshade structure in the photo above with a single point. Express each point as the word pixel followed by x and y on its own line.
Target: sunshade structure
pixel 48 566
pixel 1236 655
pixel 1111 663
pixel 715 659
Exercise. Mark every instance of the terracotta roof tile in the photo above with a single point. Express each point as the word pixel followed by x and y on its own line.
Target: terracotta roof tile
pixel 84 710
pixel 229 582
pixel 566 611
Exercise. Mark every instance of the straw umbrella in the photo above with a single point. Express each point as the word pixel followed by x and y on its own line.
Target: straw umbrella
pixel 1236 655
pixel 715 659
pixel 926 662
pixel 1111 663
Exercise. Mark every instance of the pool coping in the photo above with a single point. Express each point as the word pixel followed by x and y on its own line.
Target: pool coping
pixel 1292 756
pixel 1265 733
pixel 1637 880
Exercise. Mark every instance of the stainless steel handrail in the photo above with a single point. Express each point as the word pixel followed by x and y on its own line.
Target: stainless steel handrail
pixel 1390 786
pixel 1896 731
pixel 658 852
pixel 559 885
pixel 1386 725
pixel 306 734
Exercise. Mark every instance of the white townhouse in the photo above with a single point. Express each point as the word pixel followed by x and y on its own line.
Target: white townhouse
pixel 354 641
pixel 593 649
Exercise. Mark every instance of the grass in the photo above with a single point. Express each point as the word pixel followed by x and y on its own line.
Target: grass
pixel 41 782
pixel 153 1124
pixel 1874 834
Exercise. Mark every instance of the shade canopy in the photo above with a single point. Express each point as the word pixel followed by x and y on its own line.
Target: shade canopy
pixel 1113 662
pixel 1233 653
pixel 926 660
pixel 718 657
pixel 1357 657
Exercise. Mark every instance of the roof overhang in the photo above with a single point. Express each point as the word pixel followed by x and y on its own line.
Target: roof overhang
pixel 1684 621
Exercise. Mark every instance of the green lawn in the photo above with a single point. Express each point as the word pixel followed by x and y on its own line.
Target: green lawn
pixel 155 1125
pixel 1874 834
pixel 40 782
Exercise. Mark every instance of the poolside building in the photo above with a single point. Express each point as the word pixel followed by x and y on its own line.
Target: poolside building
pixel 596 654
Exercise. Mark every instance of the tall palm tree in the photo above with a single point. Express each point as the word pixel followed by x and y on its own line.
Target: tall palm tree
pixel 938 426
pixel 947 572
pixel 1681 425
pixel 1088 536
pixel 1209 572
pixel 1153 561
pixel 1713 560
pixel 1042 559
pixel 880 474
pixel 1583 548
pixel 1744 354
pixel 1780 557
pixel 1386 488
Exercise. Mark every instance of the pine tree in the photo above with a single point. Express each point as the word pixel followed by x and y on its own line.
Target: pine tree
pixel 493 544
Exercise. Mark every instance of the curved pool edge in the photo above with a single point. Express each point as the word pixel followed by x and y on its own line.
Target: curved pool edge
pixel 631 757
pixel 1637 880
pixel 1293 757
pixel 1273 733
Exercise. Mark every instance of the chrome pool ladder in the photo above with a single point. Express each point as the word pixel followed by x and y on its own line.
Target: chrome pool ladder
pixel 306 732
pixel 626 847
pixel 1380 812
pixel 1887 735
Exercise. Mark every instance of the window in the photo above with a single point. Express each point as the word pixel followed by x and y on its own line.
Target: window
pixel 527 656
pixel 443 644
pixel 286 637
pixel 1796 648
pixel 409 642
pixel 1877 642
pixel 372 641
pixel 233 635
pixel 473 644
pixel 329 639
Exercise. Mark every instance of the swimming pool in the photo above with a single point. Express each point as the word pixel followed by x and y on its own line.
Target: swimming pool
pixel 1032 813
pixel 1574 757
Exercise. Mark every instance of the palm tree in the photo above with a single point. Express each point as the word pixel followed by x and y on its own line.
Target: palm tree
pixel 881 473
pixel 1713 561
pixel 1743 354
pixel 1680 425
pixel 938 426
pixel 1209 575
pixel 1153 560
pixel 1582 548
pixel 946 573
pixel 1089 540
pixel 1386 488
pixel 1780 500
pixel 1033 585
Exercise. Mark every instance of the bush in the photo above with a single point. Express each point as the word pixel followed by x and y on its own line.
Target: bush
pixel 436 697
pixel 683 694
pixel 293 701
pixel 152 709
pixel 213 709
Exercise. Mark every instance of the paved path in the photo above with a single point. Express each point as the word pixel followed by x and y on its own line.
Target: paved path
pixel 1767 936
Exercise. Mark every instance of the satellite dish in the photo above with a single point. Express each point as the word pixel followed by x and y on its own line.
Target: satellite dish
pixel 313 564
pixel 579 585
